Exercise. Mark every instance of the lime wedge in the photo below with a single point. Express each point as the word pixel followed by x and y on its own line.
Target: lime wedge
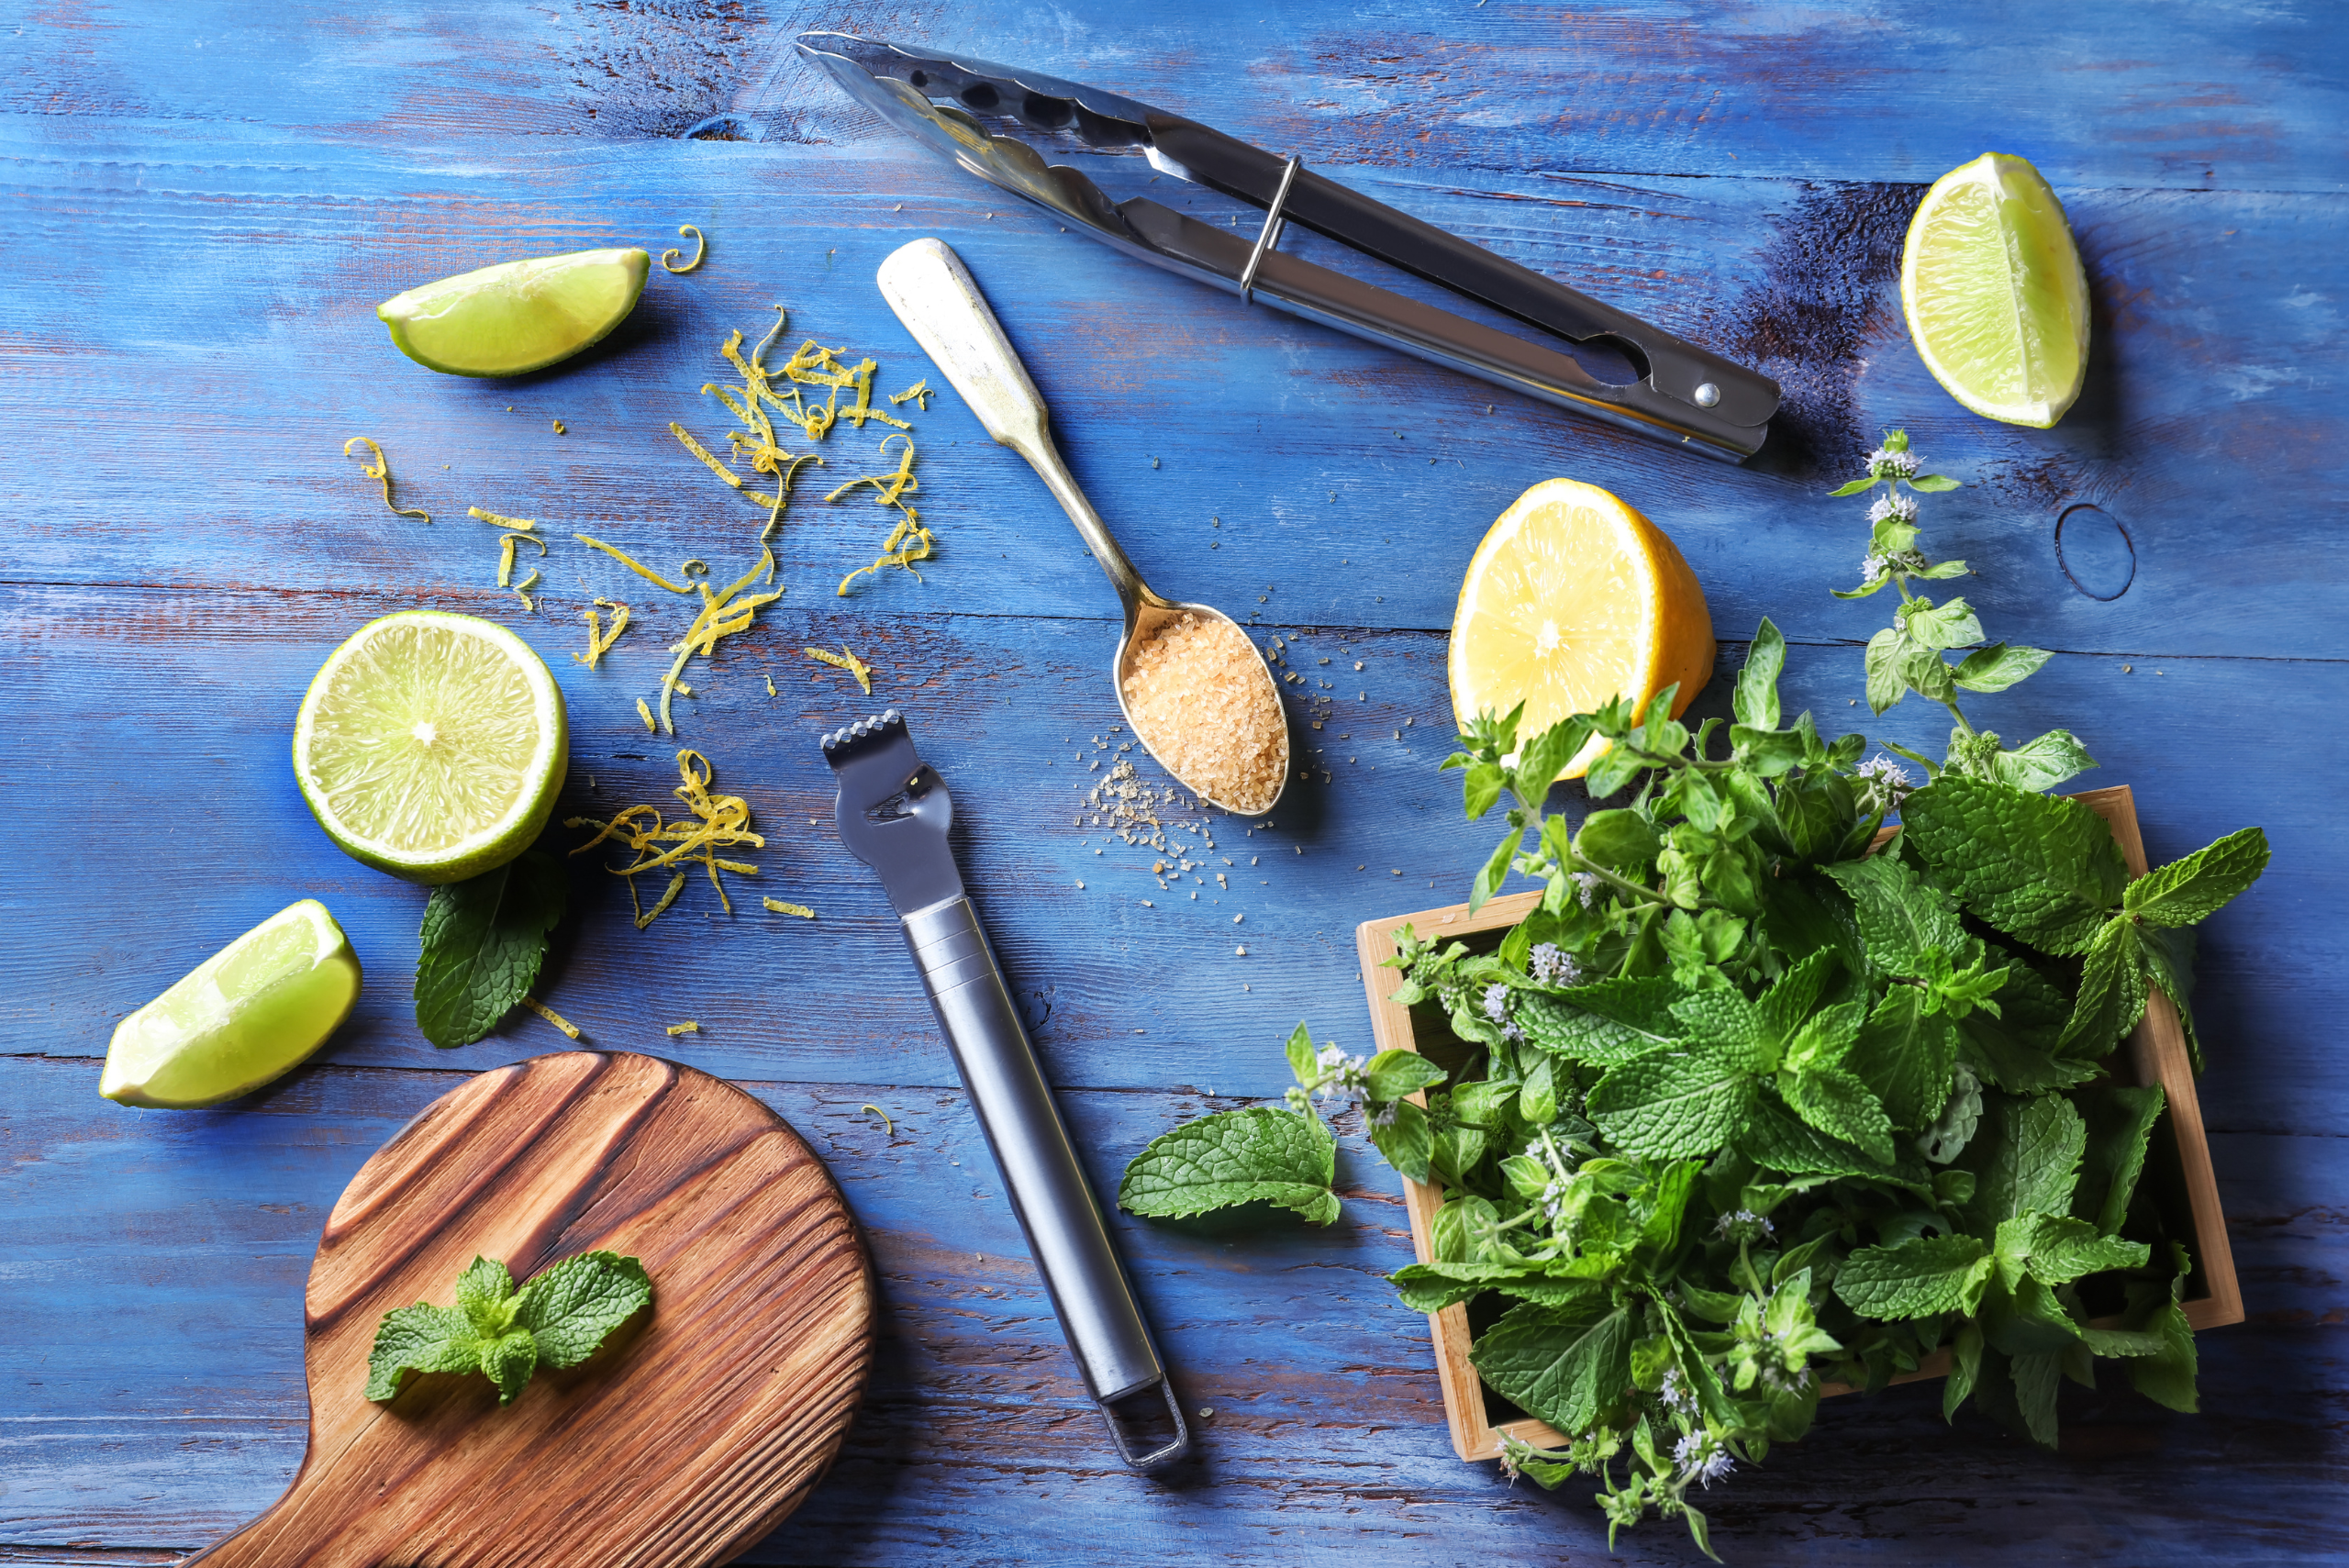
pixel 249 1012
pixel 517 315
pixel 431 745
pixel 1997 304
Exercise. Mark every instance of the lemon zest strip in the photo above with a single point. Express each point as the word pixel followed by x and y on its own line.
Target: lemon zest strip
pixel 523 589
pixel 383 471
pixel 845 660
pixel 523 525
pixel 886 1122
pixel 505 543
pixel 645 714
pixel 557 1019
pixel 598 643
pixel 919 394
pixel 632 564
pixel 780 907
pixel 689 1025
pixel 701 248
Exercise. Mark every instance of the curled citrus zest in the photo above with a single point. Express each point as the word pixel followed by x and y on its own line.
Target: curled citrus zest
pixel 919 394
pixel 679 687
pixel 557 1019
pixel 558 426
pixel 645 714
pixel 689 1025
pixel 523 589
pixel 598 642
pixel 717 821
pixel 780 907
pixel 525 525
pixel 844 659
pixel 722 615
pixel 632 564
pixel 888 487
pixel 505 543
pixel 863 410
pixel 759 354
pixel 908 527
pixel 701 248
pixel 703 453
pixel 382 469
pixel 886 1122
pixel 770 691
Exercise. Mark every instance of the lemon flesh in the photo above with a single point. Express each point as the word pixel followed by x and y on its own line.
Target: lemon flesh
pixel 1992 282
pixel 517 315
pixel 433 745
pixel 251 1012
pixel 1573 599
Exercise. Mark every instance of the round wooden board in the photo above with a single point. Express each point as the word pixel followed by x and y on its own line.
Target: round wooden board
pixel 690 1435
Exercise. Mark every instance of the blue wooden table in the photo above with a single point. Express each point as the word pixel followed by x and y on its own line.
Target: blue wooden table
pixel 204 201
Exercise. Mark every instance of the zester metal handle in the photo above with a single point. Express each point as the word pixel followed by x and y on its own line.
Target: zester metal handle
pixel 1056 1207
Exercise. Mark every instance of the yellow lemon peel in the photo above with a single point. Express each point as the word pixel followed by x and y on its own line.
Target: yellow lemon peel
pixel 530 605
pixel 886 1121
pixel 780 907
pixel 701 248
pixel 645 714
pixel 919 394
pixel 632 564
pixel 599 642
pixel 557 1019
pixel 506 544
pixel 689 1025
pixel 844 659
pixel 382 469
pixel 717 821
pixel 888 489
pixel 523 525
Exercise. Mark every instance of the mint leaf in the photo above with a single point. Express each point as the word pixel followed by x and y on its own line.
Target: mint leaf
pixel 1902 918
pixel 2037 1376
pixel 1673 1105
pixel 2059 1251
pixel 485 1294
pixel 1494 871
pixel 1888 650
pixel 1996 667
pixel 2187 892
pixel 1777 1139
pixel 2026 1319
pixel 2112 991
pixel 1916 1279
pixel 1567 1365
pixel 1403 1137
pixel 2025 1157
pixel 1618 838
pixel 1607 1022
pixel 2168 1376
pixel 2042 763
pixel 1905 1055
pixel 2035 866
pixel 1840 1107
pixel 1785 1008
pixel 1432 1287
pixel 1234 1157
pixel 1756 702
pixel 420 1339
pixel 1395 1072
pixel 509 1362
pixel 2001 1059
pixel 571 1307
pixel 482 943
pixel 2121 1123
pixel 1936 626
pixel 1726 1028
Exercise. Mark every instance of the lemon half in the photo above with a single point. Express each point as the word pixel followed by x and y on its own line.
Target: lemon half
pixel 1572 599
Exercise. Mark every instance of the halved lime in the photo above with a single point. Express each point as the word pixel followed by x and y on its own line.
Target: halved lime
pixel 251 1011
pixel 431 745
pixel 517 315
pixel 1997 304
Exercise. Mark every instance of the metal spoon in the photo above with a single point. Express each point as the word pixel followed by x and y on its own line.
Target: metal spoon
pixel 933 293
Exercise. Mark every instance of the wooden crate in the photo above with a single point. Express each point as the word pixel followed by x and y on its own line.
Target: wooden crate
pixel 2155 1053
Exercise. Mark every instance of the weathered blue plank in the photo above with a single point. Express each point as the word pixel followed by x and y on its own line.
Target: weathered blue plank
pixel 205 834
pixel 2227 96
pixel 1350 484
pixel 155 1336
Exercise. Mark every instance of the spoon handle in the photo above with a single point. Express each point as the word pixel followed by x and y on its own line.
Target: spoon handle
pixel 934 295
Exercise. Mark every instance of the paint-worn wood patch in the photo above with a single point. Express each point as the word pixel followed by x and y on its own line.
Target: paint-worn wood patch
pixel 688 1436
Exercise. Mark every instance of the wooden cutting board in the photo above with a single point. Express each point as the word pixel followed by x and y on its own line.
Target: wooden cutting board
pixel 695 1429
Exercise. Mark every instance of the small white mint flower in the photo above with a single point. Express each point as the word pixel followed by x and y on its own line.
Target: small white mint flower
pixel 1552 967
pixel 1872 570
pixel 1886 464
pixel 1328 1057
pixel 1384 1115
pixel 1497 1003
pixel 1901 506
pixel 1586 887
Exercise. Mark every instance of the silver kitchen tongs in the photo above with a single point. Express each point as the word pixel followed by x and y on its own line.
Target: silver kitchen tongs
pixel 1685 395
pixel 894 814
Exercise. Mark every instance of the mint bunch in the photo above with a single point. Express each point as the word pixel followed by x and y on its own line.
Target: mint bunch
pixel 1746 1102
pixel 558 1319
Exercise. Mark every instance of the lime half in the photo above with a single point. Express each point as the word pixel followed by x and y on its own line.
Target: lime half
pixel 247 1013
pixel 1997 304
pixel 517 315
pixel 431 745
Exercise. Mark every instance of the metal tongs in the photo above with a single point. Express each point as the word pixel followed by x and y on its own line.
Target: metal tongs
pixel 1685 395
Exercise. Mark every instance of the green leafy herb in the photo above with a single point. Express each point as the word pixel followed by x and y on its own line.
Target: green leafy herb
pixel 558 1319
pixel 1747 1101
pixel 481 944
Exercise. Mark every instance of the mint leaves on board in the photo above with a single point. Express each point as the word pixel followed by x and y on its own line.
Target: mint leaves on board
pixel 482 943
pixel 558 1319
pixel 1746 1102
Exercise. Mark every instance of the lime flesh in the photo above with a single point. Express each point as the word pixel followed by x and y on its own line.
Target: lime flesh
pixel 431 745
pixel 1992 283
pixel 249 1013
pixel 517 315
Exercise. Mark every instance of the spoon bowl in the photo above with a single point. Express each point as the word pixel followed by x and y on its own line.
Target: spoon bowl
pixel 933 294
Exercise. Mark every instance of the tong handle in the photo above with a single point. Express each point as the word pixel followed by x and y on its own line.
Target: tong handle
pixel 1066 1233
pixel 936 297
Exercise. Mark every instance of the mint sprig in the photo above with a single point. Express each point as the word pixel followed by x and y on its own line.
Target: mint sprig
pixel 559 1319
pixel 482 943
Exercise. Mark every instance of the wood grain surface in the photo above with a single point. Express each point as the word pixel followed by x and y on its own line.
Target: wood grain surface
pixel 689 1435
pixel 203 203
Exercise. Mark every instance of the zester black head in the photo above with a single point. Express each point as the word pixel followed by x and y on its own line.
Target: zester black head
pixel 893 810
